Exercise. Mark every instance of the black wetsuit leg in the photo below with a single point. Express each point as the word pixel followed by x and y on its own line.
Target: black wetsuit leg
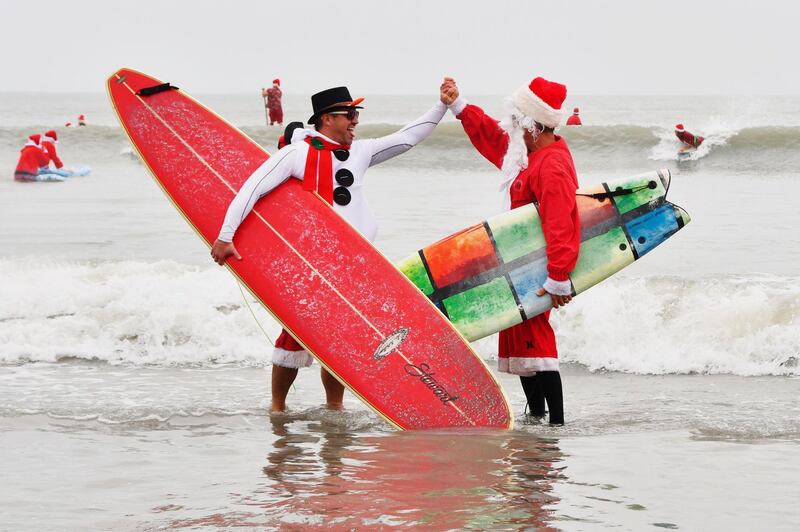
pixel 534 394
pixel 551 384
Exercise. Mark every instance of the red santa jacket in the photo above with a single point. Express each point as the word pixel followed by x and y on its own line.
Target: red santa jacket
pixel 550 181
pixel 31 158
pixel 688 138
pixel 274 98
pixel 49 147
pixel 574 120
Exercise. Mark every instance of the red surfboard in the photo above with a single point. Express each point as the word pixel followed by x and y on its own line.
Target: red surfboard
pixel 327 285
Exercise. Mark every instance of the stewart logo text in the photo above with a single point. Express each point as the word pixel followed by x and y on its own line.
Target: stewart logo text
pixel 422 372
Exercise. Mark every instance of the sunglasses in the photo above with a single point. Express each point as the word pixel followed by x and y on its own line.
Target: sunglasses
pixel 351 114
pixel 344 178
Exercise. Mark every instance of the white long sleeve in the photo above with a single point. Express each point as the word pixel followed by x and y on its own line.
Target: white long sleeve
pixel 385 148
pixel 290 162
pixel 269 175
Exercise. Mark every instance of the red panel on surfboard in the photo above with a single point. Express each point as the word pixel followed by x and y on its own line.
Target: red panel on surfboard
pixel 461 256
pixel 594 212
pixel 321 279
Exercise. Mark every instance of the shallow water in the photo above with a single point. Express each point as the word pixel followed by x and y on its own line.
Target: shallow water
pixel 103 450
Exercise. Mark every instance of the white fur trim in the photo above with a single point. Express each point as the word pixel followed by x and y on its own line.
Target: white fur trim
pixel 559 288
pixel 457 107
pixel 526 366
pixel 291 359
pixel 531 105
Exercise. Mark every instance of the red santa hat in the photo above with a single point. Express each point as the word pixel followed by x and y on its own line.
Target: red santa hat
pixel 276 81
pixel 541 100
pixel 50 135
pixel 576 111
pixel 679 127
pixel 35 138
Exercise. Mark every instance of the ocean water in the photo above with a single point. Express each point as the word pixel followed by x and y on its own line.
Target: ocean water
pixel 137 369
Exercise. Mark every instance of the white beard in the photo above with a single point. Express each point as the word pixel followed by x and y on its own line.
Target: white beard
pixel 515 160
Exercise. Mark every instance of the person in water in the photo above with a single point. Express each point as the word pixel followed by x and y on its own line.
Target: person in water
pixel 538 168
pixel 81 121
pixel 574 119
pixel 273 102
pixel 335 163
pixel 31 158
pixel 48 143
pixel 690 140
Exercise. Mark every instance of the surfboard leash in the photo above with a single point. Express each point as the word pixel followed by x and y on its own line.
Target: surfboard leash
pixel 250 308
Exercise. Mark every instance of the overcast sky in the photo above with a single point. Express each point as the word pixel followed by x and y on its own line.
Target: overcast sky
pixel 398 47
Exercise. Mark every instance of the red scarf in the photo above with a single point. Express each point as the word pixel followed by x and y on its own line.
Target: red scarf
pixel 318 174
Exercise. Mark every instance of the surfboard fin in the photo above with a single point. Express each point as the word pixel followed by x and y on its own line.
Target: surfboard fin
pixel 155 89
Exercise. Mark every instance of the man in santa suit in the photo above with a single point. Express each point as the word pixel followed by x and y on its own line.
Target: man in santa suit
pixel 49 142
pixel 329 161
pixel 31 158
pixel 574 119
pixel 690 140
pixel 273 102
pixel 537 167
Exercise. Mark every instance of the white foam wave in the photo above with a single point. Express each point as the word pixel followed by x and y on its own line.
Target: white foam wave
pixel 659 325
pixel 165 313
pixel 161 313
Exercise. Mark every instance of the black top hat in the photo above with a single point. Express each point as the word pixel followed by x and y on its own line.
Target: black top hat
pixel 330 100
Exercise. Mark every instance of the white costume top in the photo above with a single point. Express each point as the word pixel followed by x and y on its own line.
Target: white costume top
pixel 290 161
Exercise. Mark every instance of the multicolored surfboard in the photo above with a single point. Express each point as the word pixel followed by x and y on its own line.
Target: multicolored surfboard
pixel 323 281
pixel 485 277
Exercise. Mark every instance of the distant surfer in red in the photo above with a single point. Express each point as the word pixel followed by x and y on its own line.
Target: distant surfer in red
pixel 575 118
pixel 49 142
pixel 331 163
pixel 273 102
pixel 81 121
pixel 689 139
pixel 31 158
pixel 537 168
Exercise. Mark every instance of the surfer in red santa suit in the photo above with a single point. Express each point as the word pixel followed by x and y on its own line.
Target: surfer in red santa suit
pixel 537 168
pixel 31 158
pixel 49 142
pixel 575 118
pixel 690 140
pixel 331 162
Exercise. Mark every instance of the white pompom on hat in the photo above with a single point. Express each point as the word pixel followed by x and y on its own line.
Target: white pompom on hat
pixel 541 100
